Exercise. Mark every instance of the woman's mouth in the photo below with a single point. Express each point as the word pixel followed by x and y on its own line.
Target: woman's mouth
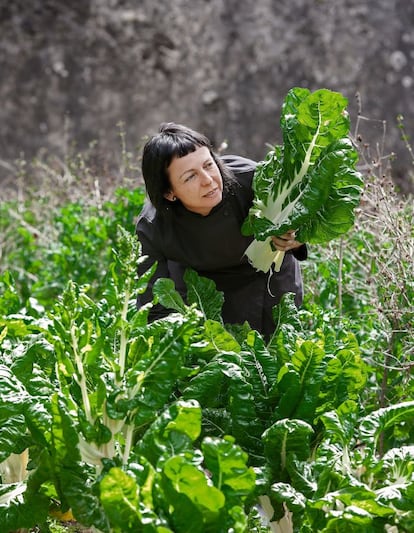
pixel 211 193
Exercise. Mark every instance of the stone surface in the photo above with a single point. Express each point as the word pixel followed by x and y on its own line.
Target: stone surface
pixel 72 71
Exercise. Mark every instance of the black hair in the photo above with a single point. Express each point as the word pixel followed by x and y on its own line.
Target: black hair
pixel 172 140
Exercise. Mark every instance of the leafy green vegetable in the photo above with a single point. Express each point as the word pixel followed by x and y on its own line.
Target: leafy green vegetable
pixel 137 427
pixel 308 184
pixel 89 412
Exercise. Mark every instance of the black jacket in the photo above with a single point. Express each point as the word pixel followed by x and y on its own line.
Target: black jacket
pixel 214 246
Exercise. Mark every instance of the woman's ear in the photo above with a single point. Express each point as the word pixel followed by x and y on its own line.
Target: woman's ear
pixel 170 196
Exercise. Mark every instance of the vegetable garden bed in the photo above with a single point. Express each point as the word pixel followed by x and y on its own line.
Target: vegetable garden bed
pixel 186 424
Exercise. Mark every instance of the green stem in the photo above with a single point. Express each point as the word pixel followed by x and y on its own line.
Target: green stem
pixel 81 379
pixel 123 341
pixel 128 443
pixel 340 271
pixel 283 453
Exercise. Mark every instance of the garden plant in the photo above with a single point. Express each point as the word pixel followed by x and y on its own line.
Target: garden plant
pixel 111 423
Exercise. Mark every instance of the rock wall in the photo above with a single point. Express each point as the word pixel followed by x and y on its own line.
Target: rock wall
pixel 72 71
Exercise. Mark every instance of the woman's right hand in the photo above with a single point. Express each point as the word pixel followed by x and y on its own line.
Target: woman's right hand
pixel 286 242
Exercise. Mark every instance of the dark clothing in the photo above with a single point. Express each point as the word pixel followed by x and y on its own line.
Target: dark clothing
pixel 213 246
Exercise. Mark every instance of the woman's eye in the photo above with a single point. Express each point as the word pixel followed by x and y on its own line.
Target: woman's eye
pixel 189 177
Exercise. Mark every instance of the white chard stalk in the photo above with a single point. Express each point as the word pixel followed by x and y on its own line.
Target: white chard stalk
pixel 284 525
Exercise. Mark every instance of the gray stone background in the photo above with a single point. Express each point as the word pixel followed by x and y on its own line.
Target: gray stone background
pixel 72 70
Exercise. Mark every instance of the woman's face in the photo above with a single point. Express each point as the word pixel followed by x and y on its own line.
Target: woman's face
pixel 196 181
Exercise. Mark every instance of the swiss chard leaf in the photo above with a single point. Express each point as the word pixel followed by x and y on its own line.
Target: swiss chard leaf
pixel 287 437
pixel 300 381
pixel 382 419
pixel 119 497
pixel 167 295
pixel 202 292
pixel 172 432
pixel 310 183
pixel 227 463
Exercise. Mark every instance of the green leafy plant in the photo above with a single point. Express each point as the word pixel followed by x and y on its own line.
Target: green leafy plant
pixel 89 401
pixel 366 279
pixel 72 242
pixel 126 426
pixel 310 183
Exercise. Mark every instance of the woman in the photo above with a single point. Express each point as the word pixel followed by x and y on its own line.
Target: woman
pixel 197 204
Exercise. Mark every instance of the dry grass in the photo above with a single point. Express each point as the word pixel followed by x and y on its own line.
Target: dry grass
pixel 86 176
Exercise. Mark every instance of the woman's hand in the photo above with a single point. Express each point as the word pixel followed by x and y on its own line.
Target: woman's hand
pixel 286 242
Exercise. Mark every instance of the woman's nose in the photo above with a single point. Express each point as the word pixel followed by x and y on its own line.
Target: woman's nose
pixel 206 179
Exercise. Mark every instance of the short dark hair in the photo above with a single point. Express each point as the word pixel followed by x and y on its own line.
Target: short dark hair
pixel 172 140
